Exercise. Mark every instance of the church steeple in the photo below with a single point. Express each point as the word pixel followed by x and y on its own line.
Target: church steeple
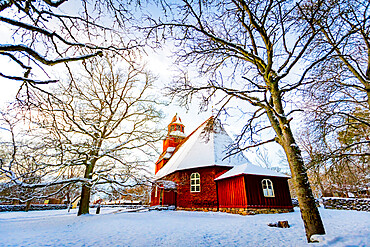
pixel 176 128
pixel 174 137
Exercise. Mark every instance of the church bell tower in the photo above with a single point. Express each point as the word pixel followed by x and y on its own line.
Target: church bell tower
pixel 174 137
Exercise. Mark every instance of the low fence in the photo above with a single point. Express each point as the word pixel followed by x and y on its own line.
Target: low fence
pixel 359 204
pixel 118 206
pixel 33 207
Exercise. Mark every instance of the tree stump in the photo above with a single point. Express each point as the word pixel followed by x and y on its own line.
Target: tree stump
pixel 283 224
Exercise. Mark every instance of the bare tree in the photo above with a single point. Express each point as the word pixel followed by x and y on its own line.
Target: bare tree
pixel 337 97
pixel 19 162
pixel 344 29
pixel 249 51
pixel 45 33
pixel 103 124
pixel 338 153
pixel 263 157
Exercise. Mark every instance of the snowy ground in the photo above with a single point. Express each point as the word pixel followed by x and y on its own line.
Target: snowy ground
pixel 176 228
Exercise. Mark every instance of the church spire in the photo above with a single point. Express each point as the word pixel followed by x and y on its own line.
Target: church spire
pixel 175 136
pixel 176 128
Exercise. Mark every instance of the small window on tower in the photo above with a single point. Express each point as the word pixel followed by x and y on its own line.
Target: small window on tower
pixel 172 127
pixel 268 190
pixel 195 182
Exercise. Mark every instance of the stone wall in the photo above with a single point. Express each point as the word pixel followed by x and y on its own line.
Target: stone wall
pixel 253 211
pixel 33 207
pixel 296 204
pixel 359 204
pixel 242 211
pixel 198 209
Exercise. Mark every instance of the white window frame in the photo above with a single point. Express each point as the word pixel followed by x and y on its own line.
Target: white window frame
pixel 267 188
pixel 156 191
pixel 195 182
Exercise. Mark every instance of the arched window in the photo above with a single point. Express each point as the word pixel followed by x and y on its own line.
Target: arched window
pixel 195 182
pixel 268 189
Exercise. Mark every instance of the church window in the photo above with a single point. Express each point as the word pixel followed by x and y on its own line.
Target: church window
pixel 268 190
pixel 195 182
pixel 156 191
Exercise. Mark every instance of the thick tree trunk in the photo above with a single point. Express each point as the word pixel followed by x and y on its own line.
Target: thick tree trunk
pixel 309 212
pixel 85 192
pixel 85 200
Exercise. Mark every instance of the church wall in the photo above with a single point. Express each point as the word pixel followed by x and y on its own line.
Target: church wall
pixel 256 199
pixel 154 199
pixel 246 192
pixel 231 193
pixel 163 197
pixel 207 197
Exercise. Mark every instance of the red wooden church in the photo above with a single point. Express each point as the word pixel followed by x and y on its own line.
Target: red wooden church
pixel 192 174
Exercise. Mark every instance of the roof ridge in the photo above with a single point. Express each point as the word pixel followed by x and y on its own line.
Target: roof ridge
pixel 187 138
pixel 182 142
pixel 194 152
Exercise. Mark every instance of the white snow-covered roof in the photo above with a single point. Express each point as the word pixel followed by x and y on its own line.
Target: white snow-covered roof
pixel 250 169
pixel 202 149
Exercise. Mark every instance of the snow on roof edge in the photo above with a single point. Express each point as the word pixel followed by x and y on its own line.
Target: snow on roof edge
pixel 250 169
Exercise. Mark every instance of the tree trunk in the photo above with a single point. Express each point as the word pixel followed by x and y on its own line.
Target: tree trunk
pixel 85 200
pixel 28 205
pixel 309 212
pixel 68 201
pixel 85 192
pixel 318 179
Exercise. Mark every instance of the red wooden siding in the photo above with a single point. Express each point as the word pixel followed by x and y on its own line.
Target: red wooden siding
pixel 154 200
pixel 231 193
pixel 164 197
pixel 169 197
pixel 206 198
pixel 255 197
pixel 244 191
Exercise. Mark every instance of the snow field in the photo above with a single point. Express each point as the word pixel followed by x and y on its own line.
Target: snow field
pixel 176 228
